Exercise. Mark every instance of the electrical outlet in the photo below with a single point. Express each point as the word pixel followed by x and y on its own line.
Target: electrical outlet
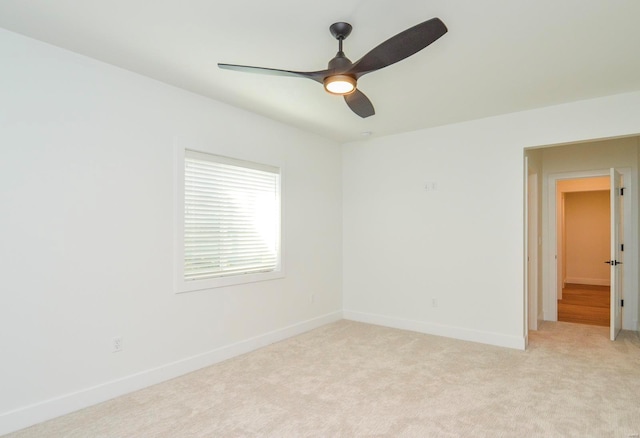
pixel 434 302
pixel 116 344
pixel 312 298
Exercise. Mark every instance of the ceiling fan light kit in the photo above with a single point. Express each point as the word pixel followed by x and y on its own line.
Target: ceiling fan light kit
pixel 341 75
pixel 340 84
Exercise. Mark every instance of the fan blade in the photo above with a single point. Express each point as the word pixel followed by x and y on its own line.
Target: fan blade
pixel 399 47
pixel 317 76
pixel 359 104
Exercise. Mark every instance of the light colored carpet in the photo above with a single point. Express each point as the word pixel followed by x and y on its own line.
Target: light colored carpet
pixel 350 379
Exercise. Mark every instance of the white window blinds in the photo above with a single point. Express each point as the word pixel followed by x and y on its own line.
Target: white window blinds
pixel 231 217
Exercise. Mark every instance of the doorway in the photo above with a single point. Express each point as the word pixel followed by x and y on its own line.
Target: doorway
pixel 555 255
pixel 584 244
pixel 555 163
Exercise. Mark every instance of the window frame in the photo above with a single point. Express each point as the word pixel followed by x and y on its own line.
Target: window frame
pixel 180 284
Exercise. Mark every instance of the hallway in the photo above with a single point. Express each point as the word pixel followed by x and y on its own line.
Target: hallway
pixel 585 304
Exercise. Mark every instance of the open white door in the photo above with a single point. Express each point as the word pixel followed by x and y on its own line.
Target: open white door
pixel 616 254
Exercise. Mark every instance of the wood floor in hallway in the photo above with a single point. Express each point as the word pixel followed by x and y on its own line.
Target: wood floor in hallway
pixel 584 304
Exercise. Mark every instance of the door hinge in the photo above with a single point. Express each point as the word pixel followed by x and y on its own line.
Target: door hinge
pixel 622 247
pixel 621 191
pixel 621 303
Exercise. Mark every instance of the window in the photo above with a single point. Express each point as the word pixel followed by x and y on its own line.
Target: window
pixel 230 222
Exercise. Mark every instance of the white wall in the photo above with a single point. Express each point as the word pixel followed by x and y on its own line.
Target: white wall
pixel 587 237
pixel 86 233
pixel 462 244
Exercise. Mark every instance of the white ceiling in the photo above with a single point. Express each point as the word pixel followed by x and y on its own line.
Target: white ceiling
pixel 499 56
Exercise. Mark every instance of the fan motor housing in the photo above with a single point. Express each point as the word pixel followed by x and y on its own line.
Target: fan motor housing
pixel 339 63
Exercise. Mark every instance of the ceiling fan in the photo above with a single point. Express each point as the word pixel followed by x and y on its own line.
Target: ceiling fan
pixel 341 75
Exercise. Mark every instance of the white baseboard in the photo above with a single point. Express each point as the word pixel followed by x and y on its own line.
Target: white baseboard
pixel 500 340
pixel 588 281
pixel 26 416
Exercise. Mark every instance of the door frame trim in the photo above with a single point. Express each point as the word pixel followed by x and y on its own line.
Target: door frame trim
pixel 531 252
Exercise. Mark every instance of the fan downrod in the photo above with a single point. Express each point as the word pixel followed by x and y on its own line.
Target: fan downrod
pixel 340 30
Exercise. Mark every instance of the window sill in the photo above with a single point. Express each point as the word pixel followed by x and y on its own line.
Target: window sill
pixel 232 280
